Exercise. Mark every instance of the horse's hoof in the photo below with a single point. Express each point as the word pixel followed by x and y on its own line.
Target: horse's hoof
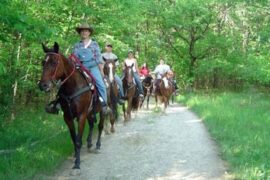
pixel 75 171
pixel 107 132
pixel 112 130
pixel 76 166
pixel 89 146
pixel 97 151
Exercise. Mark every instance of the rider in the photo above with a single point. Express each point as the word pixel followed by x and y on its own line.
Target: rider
pixel 159 71
pixel 171 75
pixel 88 51
pixel 108 55
pixel 144 71
pixel 129 61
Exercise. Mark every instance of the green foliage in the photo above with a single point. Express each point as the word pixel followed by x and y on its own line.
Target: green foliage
pixel 239 123
pixel 208 43
pixel 48 145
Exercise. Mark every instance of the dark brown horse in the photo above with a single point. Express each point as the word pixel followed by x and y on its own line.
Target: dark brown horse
pixel 147 84
pixel 109 72
pixel 76 97
pixel 131 92
pixel 164 91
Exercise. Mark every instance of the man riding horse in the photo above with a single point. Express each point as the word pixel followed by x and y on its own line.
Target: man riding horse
pixel 160 71
pixel 88 52
pixel 109 55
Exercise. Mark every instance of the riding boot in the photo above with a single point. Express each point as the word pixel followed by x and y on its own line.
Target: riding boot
pixel 53 107
pixel 105 108
pixel 121 101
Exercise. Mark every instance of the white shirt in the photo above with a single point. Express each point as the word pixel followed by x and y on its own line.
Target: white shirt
pixel 87 44
pixel 129 62
pixel 161 69
pixel 111 56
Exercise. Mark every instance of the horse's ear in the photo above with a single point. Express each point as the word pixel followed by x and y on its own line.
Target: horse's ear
pixel 104 58
pixel 132 65
pixel 45 49
pixel 56 47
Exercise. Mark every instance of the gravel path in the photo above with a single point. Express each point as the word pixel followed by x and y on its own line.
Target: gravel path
pixel 152 146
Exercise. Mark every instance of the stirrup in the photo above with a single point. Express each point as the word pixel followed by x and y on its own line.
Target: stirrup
pixel 52 108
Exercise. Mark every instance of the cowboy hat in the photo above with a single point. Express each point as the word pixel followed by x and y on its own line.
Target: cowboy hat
pixel 84 26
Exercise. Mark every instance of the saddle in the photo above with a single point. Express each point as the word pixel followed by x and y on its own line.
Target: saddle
pixel 83 70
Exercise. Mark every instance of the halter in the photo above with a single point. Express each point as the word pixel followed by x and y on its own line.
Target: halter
pixel 59 83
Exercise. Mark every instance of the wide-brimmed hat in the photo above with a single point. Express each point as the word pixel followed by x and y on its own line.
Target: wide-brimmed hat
pixel 84 26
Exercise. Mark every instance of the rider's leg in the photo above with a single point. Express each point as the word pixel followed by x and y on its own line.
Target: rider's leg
pixel 101 89
pixel 139 84
pixel 121 90
pixel 120 84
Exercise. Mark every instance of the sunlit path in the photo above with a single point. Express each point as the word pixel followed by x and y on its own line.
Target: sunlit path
pixel 171 145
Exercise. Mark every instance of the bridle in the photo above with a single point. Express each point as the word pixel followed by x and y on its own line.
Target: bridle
pixel 129 71
pixel 148 87
pixel 59 83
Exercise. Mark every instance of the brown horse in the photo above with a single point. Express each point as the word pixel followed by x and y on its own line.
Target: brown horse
pixel 76 96
pixel 164 90
pixel 131 92
pixel 109 72
pixel 147 84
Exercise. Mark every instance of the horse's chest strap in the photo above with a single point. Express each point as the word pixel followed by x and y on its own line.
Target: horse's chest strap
pixel 76 94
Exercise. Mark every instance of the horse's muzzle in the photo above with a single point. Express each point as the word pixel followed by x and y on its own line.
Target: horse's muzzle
pixel 45 86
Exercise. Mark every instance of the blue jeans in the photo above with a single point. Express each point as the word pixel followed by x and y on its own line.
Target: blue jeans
pixel 99 84
pixel 138 82
pixel 120 84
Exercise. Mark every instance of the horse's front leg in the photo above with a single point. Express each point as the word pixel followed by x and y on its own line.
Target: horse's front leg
pixel 91 122
pixel 100 129
pixel 81 121
pixel 112 119
pixel 129 108
pixel 156 99
pixel 124 112
pixel 148 97
pixel 69 122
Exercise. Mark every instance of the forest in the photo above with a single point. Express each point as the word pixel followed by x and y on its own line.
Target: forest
pixel 212 45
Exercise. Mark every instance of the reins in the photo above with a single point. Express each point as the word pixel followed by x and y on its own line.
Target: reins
pixel 53 78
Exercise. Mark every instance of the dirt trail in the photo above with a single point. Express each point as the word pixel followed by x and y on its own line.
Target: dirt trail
pixel 173 145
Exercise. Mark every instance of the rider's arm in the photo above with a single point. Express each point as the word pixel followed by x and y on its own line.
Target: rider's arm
pixel 136 66
pixel 97 56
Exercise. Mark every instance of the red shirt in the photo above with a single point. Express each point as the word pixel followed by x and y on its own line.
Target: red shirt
pixel 144 71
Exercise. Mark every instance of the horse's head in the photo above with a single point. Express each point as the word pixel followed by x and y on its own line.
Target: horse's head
pixel 148 80
pixel 165 81
pixel 129 74
pixel 109 69
pixel 52 67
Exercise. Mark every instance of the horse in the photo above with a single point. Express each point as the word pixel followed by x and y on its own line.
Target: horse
pixel 171 78
pixel 109 72
pixel 131 92
pixel 147 89
pixel 76 96
pixel 164 90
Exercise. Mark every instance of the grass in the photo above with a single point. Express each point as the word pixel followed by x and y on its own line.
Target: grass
pixel 39 142
pixel 240 124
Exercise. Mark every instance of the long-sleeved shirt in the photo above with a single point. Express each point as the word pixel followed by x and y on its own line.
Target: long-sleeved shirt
pixel 161 69
pixel 111 56
pixel 89 55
